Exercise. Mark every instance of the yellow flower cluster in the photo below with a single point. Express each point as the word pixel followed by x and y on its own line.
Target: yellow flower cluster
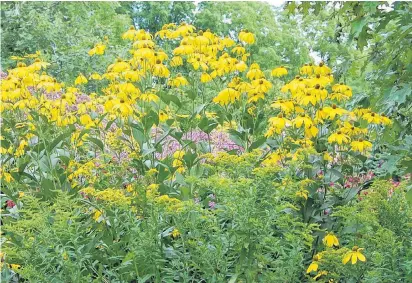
pixel 310 104
pixel 77 170
pixel 111 196
pixel 178 161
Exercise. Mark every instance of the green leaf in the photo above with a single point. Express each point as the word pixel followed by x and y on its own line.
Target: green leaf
pixel 291 6
pixel 207 125
pixel 335 175
pixel 57 140
pixel 97 142
pixel 357 26
pixel 409 196
pixel 138 135
pixel 400 93
pixel 257 143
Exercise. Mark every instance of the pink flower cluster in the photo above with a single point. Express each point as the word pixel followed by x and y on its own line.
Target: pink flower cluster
pixel 356 181
pixel 218 140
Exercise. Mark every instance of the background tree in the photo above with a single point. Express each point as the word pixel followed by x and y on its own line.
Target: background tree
pixel 62 31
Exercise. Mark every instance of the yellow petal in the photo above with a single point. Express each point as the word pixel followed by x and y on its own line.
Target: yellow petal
pixel 312 267
pixel 361 256
pixel 346 258
pixel 354 258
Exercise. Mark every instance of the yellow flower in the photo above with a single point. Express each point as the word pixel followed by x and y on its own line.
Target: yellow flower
pixel 286 106
pixel 255 97
pixel 261 85
pixel 314 265
pixel 15 266
pixel 306 69
pixel 321 273
pixel 21 194
pixel 241 66
pixel 372 118
pixel 228 42
pixel 278 124
pixel 327 157
pixel 163 116
pixel 98 49
pixel 132 76
pixel 96 215
pixel 247 37
pixel 311 131
pixel 351 130
pixel 226 96
pixel 176 61
pixel 355 254
pixel 178 81
pixel 178 154
pixel 86 120
pixel 333 111
pixel 38 64
pixel 205 77
pixel 130 34
pixel 254 74
pixel 385 120
pixel 239 50
pixel 123 107
pixel 322 69
pixel 160 70
pixel 330 240
pixel 152 172
pixel 175 233
pixel 279 72
pixel 302 119
pixel 81 79
pixel 338 137
pixel 95 76
pixel 308 98
pixel 302 193
pixel 119 66
pixel 149 97
pixel 361 145
pixel 210 115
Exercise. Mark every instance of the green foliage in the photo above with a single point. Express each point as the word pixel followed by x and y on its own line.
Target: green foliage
pixel 151 16
pixel 382 226
pixel 64 32
pixel 251 234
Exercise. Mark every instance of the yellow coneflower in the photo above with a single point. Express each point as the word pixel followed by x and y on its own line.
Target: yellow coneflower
pixel 81 79
pixel 247 37
pixel 314 265
pixel 338 138
pixel 226 96
pixel 361 145
pixel 279 72
pixel 355 254
pixel 330 240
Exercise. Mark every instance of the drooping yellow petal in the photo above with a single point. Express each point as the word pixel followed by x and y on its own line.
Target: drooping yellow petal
pixel 346 258
pixel 312 267
pixel 361 257
pixel 354 258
